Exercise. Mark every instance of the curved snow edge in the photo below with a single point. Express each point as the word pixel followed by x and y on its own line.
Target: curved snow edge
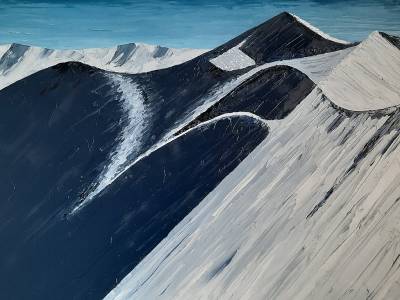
pixel 319 32
pixel 130 139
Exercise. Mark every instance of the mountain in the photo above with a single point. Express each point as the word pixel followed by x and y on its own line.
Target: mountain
pixel 376 85
pixel 18 61
pixel 311 213
pixel 285 36
pixel 231 175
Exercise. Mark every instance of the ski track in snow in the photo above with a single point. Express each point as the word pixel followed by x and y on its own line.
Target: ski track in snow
pixel 132 103
pixel 251 238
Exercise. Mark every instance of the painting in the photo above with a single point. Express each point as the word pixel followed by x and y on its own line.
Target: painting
pixel 160 149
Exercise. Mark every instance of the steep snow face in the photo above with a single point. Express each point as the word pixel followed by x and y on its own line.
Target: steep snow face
pixel 233 59
pixel 368 78
pixel 18 61
pixel 311 213
pixel 319 32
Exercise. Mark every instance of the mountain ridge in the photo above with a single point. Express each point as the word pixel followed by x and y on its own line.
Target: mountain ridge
pixel 115 179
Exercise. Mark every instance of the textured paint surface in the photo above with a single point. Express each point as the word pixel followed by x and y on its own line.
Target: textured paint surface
pixel 247 172
pixel 312 212
pixel 347 249
pixel 368 78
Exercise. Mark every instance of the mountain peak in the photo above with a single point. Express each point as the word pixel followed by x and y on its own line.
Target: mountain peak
pixel 282 37
pixel 367 79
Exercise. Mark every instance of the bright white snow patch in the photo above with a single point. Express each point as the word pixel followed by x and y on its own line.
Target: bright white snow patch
pixel 319 32
pixel 132 103
pixel 368 78
pixel 233 59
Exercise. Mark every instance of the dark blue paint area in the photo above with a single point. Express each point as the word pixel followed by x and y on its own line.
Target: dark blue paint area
pixel 180 23
pixel 271 94
pixel 291 39
pixel 57 128
pixel 84 256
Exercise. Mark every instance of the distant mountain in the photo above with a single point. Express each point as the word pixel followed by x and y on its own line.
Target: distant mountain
pixel 18 61
pixel 245 172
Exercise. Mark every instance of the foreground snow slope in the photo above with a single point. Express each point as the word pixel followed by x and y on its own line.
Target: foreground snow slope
pixel 312 213
pixel 19 61
pixel 368 78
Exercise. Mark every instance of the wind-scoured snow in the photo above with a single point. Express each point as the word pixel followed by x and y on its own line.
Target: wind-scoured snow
pixel 233 59
pixel 19 61
pixel 319 32
pixel 368 78
pixel 135 118
pixel 311 213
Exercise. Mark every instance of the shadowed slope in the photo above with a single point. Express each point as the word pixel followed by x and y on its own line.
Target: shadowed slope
pixel 96 248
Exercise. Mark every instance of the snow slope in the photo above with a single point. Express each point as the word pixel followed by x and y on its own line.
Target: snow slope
pixel 18 61
pixel 315 67
pixel 311 213
pixel 368 78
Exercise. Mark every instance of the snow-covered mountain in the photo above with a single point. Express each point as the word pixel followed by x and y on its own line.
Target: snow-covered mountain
pixel 19 61
pixel 262 169
pixel 368 78
pixel 311 213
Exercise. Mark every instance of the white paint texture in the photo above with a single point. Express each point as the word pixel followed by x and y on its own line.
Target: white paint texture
pixel 233 59
pixel 135 118
pixel 18 61
pixel 368 78
pixel 250 238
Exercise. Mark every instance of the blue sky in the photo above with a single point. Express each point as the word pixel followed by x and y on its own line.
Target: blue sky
pixel 179 23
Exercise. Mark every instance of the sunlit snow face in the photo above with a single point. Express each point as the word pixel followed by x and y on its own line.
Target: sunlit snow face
pixel 193 24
